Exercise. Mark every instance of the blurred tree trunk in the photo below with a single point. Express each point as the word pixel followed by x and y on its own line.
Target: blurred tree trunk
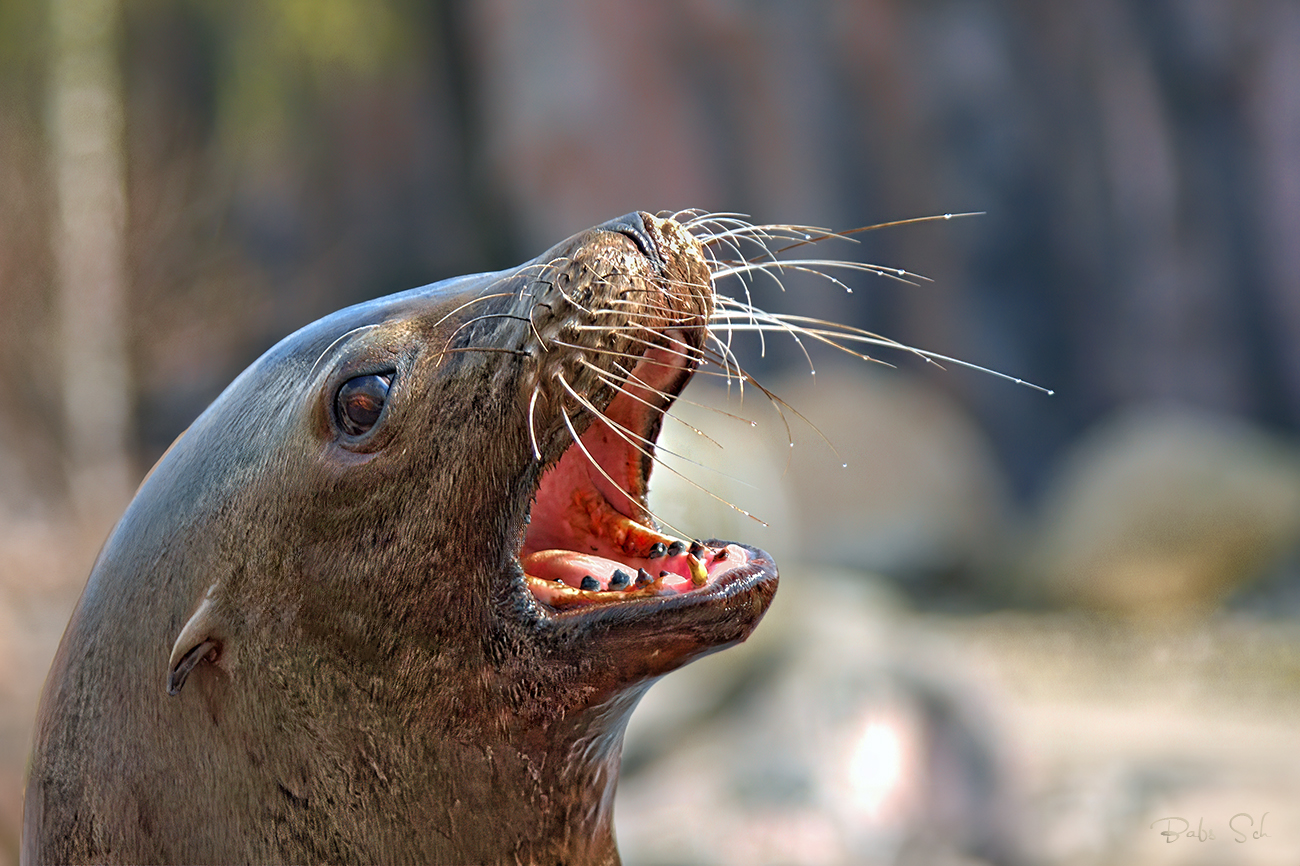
pixel 87 166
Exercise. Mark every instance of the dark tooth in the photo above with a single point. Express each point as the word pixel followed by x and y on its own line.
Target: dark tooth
pixel 722 554
pixel 589 582
pixel 676 548
pixel 657 550
pixel 697 550
pixel 664 573
pixel 620 579
pixel 643 577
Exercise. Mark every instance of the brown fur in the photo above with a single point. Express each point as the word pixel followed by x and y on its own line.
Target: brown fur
pixel 373 681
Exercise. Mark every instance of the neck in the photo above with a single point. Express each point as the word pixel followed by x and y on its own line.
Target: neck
pixel 544 794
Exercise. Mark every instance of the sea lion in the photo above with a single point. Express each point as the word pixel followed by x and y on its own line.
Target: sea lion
pixel 393 595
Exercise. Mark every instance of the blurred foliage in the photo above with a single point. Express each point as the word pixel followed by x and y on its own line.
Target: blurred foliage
pixel 22 43
pixel 276 59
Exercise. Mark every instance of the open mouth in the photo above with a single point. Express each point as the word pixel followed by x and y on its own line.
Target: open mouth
pixel 591 540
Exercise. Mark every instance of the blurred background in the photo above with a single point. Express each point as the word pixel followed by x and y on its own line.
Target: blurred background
pixel 1015 628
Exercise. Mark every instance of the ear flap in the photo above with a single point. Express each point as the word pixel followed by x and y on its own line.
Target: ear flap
pixel 196 642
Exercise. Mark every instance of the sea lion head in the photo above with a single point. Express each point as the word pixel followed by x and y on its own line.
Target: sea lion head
pixel 394 594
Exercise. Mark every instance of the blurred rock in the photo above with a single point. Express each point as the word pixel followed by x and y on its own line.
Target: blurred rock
pixel 836 735
pixel 1162 511
pixel 921 494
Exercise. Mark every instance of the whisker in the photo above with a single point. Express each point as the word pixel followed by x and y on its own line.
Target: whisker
pixel 336 341
pixel 687 351
pixel 810 266
pixel 776 325
pixel 707 242
pixel 621 431
pixel 701 216
pixel 532 425
pixel 471 303
pixel 615 383
pixel 680 399
pixel 468 322
pixel 762 234
pixel 523 353
pixel 933 357
pixel 613 354
pixel 541 341
pixel 777 403
pixel 577 440
pixel 885 225
pixel 726 359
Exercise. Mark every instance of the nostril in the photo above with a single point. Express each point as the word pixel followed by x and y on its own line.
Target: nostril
pixel 633 227
pixel 642 241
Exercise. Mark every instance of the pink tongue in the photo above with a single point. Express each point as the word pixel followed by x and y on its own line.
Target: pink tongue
pixel 571 568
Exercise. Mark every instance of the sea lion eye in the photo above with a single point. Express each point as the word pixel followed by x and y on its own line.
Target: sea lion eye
pixel 359 402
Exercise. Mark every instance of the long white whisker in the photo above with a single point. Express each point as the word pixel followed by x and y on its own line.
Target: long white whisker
pixel 774 324
pixel 613 354
pixel 532 425
pixel 621 431
pixel 577 440
pixel 624 433
pixel 810 266
pixel 336 341
pixel 465 324
pixel 727 359
pixel 615 383
pixel 877 226
pixel 471 303
pixel 679 399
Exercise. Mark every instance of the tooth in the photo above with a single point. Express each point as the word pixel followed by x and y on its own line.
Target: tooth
pixel 643 577
pixel 722 554
pixel 589 582
pixel 676 548
pixel 657 550
pixel 697 550
pixel 620 579
pixel 699 576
